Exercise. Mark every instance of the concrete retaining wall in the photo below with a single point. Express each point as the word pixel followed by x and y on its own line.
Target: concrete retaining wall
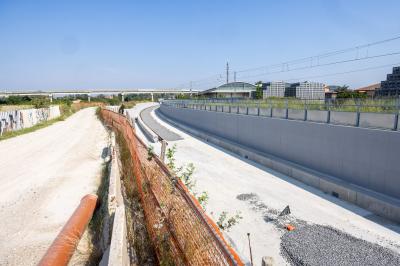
pixel 364 157
pixel 280 113
pixel 117 250
pixel 343 118
pixel 379 203
pixel 376 120
pixel 296 114
pixel 317 116
pixel 265 111
pixel 26 118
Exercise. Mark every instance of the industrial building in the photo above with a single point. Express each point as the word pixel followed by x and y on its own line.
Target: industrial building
pixel 391 86
pixel 231 90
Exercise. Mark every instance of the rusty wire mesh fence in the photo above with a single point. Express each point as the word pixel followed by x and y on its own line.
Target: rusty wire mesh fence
pixel 180 231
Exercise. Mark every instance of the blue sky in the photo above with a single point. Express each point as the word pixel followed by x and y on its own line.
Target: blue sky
pixel 159 44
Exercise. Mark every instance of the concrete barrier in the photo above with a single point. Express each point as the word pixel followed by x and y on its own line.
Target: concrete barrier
pixel 234 109
pixel 117 250
pixel 343 118
pixel 226 109
pixel 118 253
pixel 242 110
pixel 219 108
pixel 146 130
pixel 377 203
pixel 279 113
pixel 377 120
pixel 265 111
pixel 317 116
pixel 253 111
pixel 296 114
pixel 398 122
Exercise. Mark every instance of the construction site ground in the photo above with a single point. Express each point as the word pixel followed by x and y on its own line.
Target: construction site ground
pixel 237 185
pixel 43 176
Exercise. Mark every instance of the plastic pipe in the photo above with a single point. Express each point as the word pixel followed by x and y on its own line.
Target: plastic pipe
pixel 63 247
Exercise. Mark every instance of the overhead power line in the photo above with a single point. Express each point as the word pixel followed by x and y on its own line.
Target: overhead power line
pixel 324 55
pixel 287 69
pixel 362 52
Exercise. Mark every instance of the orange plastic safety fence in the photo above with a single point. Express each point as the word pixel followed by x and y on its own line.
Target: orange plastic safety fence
pixel 179 229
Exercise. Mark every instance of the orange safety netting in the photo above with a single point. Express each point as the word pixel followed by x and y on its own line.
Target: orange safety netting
pixel 180 230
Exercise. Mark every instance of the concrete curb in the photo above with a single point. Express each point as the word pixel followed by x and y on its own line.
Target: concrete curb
pixel 146 130
pixel 117 252
pixel 375 202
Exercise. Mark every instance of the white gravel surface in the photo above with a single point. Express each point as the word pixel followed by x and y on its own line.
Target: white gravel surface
pixel 43 176
pixel 225 176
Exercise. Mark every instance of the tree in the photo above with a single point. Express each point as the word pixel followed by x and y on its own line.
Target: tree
pixel 259 92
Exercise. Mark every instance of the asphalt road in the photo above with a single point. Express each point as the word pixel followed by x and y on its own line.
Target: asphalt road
pixel 160 130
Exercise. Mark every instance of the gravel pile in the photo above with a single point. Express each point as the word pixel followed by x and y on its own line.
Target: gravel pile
pixel 270 215
pixel 323 245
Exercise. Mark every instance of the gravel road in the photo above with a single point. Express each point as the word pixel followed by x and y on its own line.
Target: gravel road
pixel 43 176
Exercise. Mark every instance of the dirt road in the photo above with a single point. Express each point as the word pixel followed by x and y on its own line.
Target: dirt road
pixel 43 176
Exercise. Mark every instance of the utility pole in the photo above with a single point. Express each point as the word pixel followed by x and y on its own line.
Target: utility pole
pixel 227 72
pixel 234 76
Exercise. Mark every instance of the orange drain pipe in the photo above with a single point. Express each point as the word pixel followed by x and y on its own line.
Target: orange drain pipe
pixel 62 248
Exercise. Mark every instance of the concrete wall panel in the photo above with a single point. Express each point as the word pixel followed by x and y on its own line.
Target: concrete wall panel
pixel 317 116
pixel 253 111
pixel 344 118
pixel 375 120
pixel 265 111
pixel 280 113
pixel 361 156
pixel 242 110
pixel 296 114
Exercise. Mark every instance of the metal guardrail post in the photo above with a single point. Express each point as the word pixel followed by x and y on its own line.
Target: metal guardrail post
pixel 305 112
pixel 396 121
pixel 287 109
pixel 358 116
pixel 328 119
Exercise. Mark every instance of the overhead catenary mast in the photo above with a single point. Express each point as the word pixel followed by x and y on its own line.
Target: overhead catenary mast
pixel 227 72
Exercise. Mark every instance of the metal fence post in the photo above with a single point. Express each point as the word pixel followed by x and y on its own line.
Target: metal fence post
pixel 328 120
pixel 358 115
pixel 305 111
pixel 287 110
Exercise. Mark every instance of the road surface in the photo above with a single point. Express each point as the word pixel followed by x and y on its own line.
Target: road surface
pixel 43 176
pixel 152 123
pixel 235 184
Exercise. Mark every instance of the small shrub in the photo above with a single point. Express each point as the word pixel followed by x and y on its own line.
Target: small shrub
pixel 225 223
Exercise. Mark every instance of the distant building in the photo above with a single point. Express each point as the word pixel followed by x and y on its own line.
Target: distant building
pixel 231 90
pixel 310 90
pixel 332 88
pixel 391 86
pixel 370 90
pixel 301 90
pixel 277 89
